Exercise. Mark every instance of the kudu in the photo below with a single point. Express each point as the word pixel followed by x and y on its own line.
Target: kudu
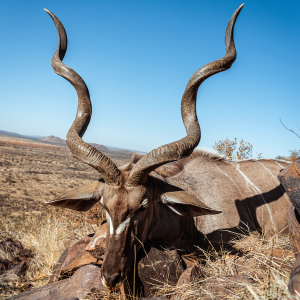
pixel 141 206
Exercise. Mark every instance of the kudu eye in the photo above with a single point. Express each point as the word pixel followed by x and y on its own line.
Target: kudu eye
pixel 101 180
pixel 142 208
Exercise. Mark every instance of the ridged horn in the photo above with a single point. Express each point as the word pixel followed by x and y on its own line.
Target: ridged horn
pixel 184 147
pixel 79 149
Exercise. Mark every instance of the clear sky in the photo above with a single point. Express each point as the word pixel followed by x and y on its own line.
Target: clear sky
pixel 136 57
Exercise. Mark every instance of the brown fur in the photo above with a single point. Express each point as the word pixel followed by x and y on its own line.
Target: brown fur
pixel 247 191
pixel 174 168
pixel 182 209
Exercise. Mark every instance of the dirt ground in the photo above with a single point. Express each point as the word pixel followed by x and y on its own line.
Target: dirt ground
pixel 33 172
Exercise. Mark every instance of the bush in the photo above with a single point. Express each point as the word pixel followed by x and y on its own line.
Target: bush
pixel 294 154
pixel 228 148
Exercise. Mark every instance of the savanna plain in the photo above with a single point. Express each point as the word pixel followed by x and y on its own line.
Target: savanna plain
pixel 33 172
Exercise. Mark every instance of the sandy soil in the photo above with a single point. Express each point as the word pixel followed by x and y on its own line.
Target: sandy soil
pixel 33 172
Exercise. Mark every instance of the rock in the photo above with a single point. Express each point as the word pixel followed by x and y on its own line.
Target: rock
pixel 9 283
pixel 220 287
pixel 8 276
pixel 157 268
pixel 15 249
pixel 191 273
pixel 21 257
pixel 294 228
pixel 11 278
pixel 277 253
pixel 280 257
pixel 84 283
pixel 190 260
pixel 294 283
pixel 12 246
pixel 20 268
pixel 248 266
pixel 290 180
pixel 72 259
pixel 96 247
pixel 5 264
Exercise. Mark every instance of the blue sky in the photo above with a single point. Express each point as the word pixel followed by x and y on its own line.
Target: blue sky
pixel 136 57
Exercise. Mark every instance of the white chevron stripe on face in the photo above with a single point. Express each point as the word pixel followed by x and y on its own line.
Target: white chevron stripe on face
pixel 122 226
pixel 111 227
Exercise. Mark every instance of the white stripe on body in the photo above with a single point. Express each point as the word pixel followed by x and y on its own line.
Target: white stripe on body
pixel 275 179
pixel 239 191
pixel 256 190
pixel 231 180
pixel 279 164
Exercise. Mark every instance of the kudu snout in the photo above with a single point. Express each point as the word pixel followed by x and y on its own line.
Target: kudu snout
pixel 111 281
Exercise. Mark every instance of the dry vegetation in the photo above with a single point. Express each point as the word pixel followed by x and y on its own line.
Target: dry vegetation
pixel 228 149
pixel 262 265
pixel 259 270
pixel 34 172
pixel 294 154
pixel 46 237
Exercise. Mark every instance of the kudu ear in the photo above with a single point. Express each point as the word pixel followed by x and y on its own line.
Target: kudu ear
pixel 80 199
pixel 185 204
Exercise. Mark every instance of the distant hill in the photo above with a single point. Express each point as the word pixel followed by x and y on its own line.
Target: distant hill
pixel 53 139
pixel 56 140
pixel 34 137
pixel 121 149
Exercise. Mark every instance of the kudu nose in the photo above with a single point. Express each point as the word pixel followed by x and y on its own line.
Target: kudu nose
pixel 111 281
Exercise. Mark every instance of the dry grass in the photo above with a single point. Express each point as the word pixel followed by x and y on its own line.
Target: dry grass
pixel 33 172
pixel 47 237
pixel 30 175
pixel 261 265
pixel 265 264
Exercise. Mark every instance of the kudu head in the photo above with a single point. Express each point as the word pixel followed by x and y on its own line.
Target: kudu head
pixel 129 194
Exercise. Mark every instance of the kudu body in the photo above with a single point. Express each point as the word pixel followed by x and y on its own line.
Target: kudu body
pixel 247 191
pixel 140 205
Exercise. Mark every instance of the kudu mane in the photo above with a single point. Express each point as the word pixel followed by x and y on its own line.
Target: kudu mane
pixel 175 168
